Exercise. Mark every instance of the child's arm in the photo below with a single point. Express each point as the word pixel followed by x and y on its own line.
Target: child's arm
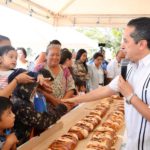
pixel 10 143
pixel 7 91
pixel 21 78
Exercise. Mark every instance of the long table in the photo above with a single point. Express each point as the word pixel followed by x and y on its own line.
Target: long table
pixel 62 126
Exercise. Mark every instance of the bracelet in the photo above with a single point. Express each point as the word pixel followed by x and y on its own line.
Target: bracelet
pixel 128 98
pixel 16 80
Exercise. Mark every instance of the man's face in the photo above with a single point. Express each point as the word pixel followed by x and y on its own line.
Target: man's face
pixel 7 119
pixel 131 48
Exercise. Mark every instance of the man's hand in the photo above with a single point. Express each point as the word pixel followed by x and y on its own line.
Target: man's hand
pixel 69 105
pixel 124 87
pixel 70 100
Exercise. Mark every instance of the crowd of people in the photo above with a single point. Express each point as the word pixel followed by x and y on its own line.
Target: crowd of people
pixel 34 96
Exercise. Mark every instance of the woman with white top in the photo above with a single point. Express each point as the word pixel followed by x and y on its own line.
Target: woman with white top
pixel 22 62
pixel 96 72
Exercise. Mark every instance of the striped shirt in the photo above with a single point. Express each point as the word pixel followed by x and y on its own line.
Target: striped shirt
pixel 4 78
pixel 138 128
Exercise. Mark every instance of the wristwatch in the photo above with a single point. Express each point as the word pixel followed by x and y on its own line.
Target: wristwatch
pixel 128 98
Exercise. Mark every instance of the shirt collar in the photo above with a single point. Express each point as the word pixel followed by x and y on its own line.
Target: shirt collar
pixel 95 66
pixel 145 61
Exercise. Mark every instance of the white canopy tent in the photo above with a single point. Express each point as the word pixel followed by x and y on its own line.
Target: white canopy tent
pixel 29 32
pixel 73 39
pixel 82 12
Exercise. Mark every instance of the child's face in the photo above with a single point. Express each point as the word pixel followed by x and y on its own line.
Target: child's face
pixel 7 119
pixel 8 60
pixel 82 88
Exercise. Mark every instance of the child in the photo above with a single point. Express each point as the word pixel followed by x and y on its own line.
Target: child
pixel 80 86
pixel 8 60
pixel 7 118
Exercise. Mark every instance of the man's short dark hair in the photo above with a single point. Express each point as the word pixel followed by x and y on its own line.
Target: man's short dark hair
pixel 5 104
pixel 142 29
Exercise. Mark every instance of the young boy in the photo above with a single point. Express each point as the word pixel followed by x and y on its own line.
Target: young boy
pixel 7 118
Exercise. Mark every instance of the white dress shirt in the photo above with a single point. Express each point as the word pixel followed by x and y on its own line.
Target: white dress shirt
pixel 138 128
pixel 113 69
pixel 96 76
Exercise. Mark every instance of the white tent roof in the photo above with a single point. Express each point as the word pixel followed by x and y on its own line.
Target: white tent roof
pixel 72 39
pixel 82 12
pixel 25 31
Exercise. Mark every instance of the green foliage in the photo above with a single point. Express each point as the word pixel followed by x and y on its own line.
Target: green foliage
pixel 110 36
pixel 30 53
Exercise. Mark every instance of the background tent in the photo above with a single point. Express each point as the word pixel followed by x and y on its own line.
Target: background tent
pixel 82 12
pixel 29 32
pixel 72 39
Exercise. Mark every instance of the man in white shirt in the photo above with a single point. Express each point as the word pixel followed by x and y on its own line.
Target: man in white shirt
pixel 136 90
pixel 114 68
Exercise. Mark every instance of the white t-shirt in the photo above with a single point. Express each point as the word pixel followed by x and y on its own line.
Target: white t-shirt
pixel 113 69
pixel 29 65
pixel 138 128
pixel 96 76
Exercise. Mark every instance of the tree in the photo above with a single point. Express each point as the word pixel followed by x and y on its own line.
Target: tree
pixel 110 36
